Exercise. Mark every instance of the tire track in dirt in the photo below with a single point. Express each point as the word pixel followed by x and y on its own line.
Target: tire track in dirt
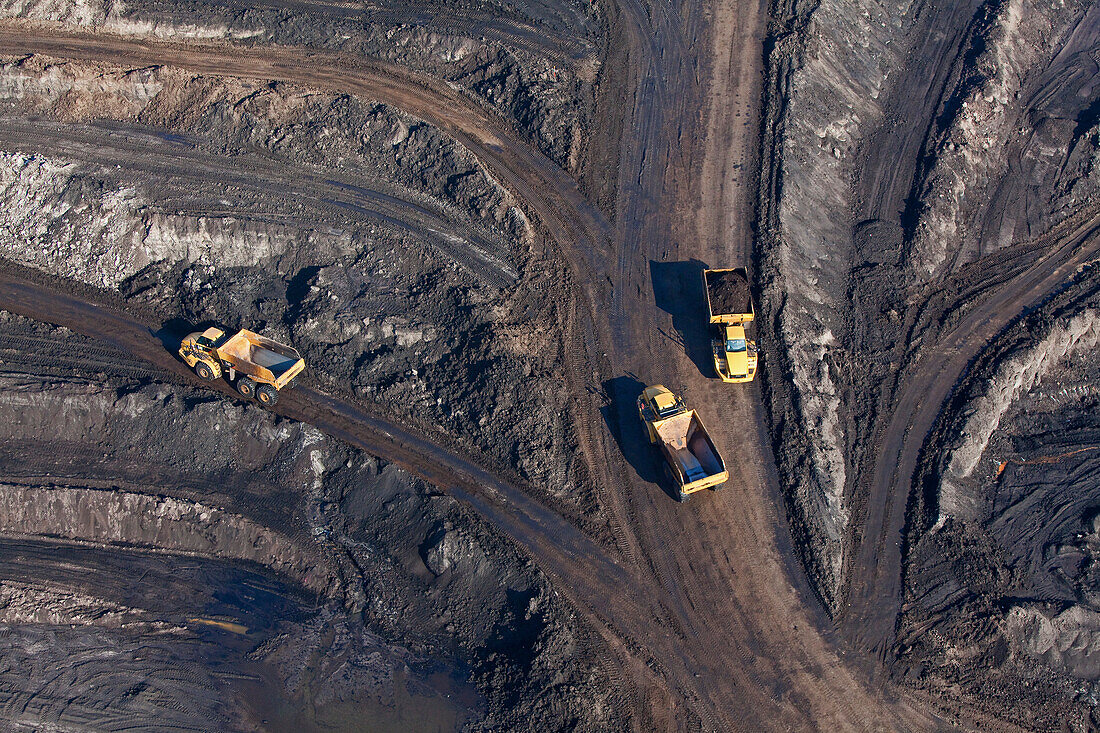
pixel 574 223
pixel 875 593
pixel 480 252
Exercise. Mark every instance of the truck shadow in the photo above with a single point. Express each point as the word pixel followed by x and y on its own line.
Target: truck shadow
pixel 678 291
pixel 620 414
pixel 172 332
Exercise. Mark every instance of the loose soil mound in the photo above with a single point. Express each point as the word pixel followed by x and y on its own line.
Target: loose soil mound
pixel 729 291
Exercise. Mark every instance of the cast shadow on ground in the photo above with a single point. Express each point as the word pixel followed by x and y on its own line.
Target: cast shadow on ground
pixel 172 332
pixel 620 413
pixel 678 291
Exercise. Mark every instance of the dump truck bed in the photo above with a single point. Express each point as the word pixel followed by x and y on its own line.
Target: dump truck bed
pixel 728 298
pixel 689 449
pixel 262 358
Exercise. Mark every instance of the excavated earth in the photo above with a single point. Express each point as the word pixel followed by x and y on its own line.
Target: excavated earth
pixel 278 569
pixel 483 224
pixel 931 395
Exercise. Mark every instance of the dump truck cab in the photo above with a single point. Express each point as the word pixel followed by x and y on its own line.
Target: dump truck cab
pixel 692 460
pixel 202 346
pixel 658 403
pixel 734 355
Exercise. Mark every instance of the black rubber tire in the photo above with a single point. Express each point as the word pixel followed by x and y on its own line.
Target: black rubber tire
pixel 681 497
pixel 246 387
pixel 720 486
pixel 203 370
pixel 267 395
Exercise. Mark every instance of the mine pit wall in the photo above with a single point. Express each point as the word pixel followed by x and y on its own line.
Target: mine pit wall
pixel 76 215
pixel 502 61
pixel 67 415
pixel 966 151
pixel 162 523
pixel 1003 541
pixel 848 230
pixel 827 67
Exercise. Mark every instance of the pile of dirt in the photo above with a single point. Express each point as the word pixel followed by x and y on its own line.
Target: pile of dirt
pixel 423 602
pixel 728 291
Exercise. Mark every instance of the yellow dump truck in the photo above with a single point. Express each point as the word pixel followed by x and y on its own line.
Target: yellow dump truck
pixel 259 366
pixel 729 306
pixel 690 454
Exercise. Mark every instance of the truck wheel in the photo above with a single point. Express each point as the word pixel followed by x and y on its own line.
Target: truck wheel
pixel 267 394
pixel 203 370
pixel 246 387
pixel 719 487
pixel 681 497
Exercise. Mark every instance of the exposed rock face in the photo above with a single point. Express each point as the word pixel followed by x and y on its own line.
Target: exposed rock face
pixel 135 519
pixel 497 51
pixel 1002 585
pixel 1068 641
pixel 832 72
pixel 1017 377
pixel 73 222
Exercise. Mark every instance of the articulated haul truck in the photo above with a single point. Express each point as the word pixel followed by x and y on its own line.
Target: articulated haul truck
pixel 691 456
pixel 730 308
pixel 258 366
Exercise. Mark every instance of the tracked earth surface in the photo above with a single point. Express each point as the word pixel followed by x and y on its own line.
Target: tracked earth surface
pixel 484 226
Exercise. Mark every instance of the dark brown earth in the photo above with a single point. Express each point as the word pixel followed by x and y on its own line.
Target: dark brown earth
pixel 484 225
pixel 728 291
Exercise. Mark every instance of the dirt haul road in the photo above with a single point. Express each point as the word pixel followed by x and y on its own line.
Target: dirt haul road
pixel 685 202
pixel 707 610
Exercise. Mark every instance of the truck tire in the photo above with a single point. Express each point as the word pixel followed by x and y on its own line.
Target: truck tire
pixel 246 387
pixel 204 372
pixel 681 497
pixel 267 394
pixel 718 487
